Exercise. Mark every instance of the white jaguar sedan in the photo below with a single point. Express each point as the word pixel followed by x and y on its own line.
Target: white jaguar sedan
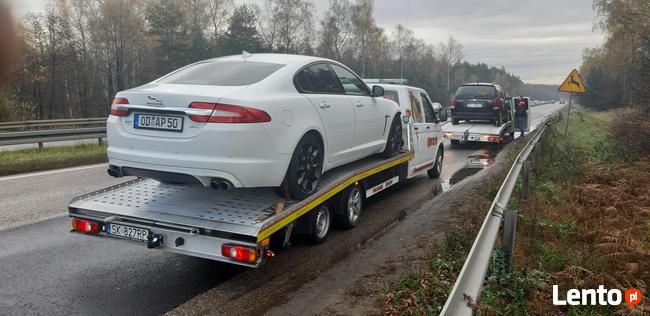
pixel 261 120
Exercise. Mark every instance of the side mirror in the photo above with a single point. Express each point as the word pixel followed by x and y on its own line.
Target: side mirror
pixel 378 91
pixel 442 115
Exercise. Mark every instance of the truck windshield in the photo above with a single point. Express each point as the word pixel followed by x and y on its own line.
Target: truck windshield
pixel 222 73
pixel 476 92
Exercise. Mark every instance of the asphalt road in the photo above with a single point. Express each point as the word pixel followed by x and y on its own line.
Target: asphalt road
pixel 46 270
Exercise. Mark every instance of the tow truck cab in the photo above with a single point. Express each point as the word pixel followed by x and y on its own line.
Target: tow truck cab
pixel 426 118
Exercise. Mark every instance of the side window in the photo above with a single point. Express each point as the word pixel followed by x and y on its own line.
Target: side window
pixel 317 78
pixel 416 107
pixel 429 114
pixel 350 82
pixel 391 95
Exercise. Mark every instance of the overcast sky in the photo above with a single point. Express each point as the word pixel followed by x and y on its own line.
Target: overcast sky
pixel 538 40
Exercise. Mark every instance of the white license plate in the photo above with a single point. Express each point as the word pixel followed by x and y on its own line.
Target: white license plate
pixel 474 138
pixel 128 232
pixel 474 105
pixel 158 122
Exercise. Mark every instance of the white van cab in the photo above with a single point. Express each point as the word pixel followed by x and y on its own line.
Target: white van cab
pixel 426 120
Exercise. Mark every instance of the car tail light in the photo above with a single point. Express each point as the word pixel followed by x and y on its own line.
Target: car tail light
pixel 115 111
pixel 452 104
pixel 497 103
pixel 224 113
pixel 240 253
pixel 85 226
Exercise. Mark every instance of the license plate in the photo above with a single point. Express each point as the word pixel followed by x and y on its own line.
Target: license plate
pixel 474 138
pixel 158 122
pixel 474 105
pixel 127 232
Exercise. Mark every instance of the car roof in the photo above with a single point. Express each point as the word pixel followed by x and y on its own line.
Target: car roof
pixel 395 86
pixel 283 59
pixel 480 84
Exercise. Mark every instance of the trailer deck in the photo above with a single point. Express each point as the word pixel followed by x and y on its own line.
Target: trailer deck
pixel 204 218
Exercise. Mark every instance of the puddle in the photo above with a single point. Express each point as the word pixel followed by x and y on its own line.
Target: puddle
pixel 473 165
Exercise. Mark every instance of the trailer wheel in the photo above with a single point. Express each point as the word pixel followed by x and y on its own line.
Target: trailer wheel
pixel 350 206
pixel 321 222
pixel 436 170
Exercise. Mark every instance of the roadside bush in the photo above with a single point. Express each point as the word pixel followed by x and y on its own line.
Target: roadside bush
pixel 14 110
pixel 632 128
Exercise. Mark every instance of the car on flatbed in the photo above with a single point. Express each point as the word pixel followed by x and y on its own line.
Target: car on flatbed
pixel 480 102
pixel 250 120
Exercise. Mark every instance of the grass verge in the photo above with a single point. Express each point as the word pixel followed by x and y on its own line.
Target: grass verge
pixel 585 223
pixel 20 161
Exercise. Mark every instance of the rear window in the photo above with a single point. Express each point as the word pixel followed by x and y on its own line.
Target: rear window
pixel 391 95
pixel 223 73
pixel 476 92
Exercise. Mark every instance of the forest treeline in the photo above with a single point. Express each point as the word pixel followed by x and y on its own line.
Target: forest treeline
pixel 76 55
pixel 617 74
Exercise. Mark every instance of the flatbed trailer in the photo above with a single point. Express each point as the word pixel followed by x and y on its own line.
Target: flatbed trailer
pixel 234 226
pixel 478 132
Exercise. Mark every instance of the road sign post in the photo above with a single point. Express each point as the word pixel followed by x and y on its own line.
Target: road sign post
pixel 572 84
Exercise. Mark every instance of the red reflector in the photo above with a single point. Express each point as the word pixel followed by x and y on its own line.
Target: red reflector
pixel 240 253
pixel 85 226
pixel 115 111
pixel 497 102
pixel 224 113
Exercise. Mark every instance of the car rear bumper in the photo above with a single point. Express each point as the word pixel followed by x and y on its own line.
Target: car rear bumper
pixel 242 155
pixel 475 115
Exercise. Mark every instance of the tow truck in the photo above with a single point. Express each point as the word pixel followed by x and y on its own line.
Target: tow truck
pixel 240 226
pixel 486 132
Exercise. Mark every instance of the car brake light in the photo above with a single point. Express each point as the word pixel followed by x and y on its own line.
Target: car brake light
pixel 224 113
pixel 240 253
pixel 85 226
pixel 453 102
pixel 497 102
pixel 115 111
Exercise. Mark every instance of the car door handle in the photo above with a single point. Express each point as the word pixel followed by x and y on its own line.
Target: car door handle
pixel 324 105
pixel 360 105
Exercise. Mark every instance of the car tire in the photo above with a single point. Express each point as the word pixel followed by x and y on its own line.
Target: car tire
pixel 394 141
pixel 350 205
pixel 321 223
pixel 436 170
pixel 305 168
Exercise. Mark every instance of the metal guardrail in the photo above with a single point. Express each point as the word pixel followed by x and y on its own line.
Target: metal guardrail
pixel 468 286
pixel 46 131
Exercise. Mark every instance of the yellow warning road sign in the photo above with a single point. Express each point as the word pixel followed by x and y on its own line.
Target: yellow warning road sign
pixel 573 83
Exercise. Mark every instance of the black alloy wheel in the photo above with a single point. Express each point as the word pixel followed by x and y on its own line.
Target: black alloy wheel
pixel 306 167
pixel 394 142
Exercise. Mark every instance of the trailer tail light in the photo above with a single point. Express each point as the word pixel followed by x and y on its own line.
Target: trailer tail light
pixel 85 226
pixel 497 103
pixel 493 139
pixel 115 111
pixel 452 103
pixel 240 253
pixel 224 113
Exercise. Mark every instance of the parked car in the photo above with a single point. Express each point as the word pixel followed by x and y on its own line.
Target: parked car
pixel 480 102
pixel 260 120
pixel 426 119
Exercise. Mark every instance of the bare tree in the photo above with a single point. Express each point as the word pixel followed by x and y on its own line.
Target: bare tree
pixel 219 12
pixel 336 29
pixel 451 53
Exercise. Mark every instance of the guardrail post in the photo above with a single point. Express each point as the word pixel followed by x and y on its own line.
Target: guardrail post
pixel 99 141
pixel 40 145
pixel 508 239
pixel 525 179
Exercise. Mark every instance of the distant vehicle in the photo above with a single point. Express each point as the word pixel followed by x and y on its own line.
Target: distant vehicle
pixel 250 120
pixel 480 102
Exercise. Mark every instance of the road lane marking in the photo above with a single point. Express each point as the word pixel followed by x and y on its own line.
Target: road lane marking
pixel 48 172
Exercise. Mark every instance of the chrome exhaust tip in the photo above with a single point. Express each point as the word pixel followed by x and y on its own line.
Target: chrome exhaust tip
pixel 221 184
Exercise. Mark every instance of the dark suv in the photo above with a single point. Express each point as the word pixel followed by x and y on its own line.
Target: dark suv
pixel 479 102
